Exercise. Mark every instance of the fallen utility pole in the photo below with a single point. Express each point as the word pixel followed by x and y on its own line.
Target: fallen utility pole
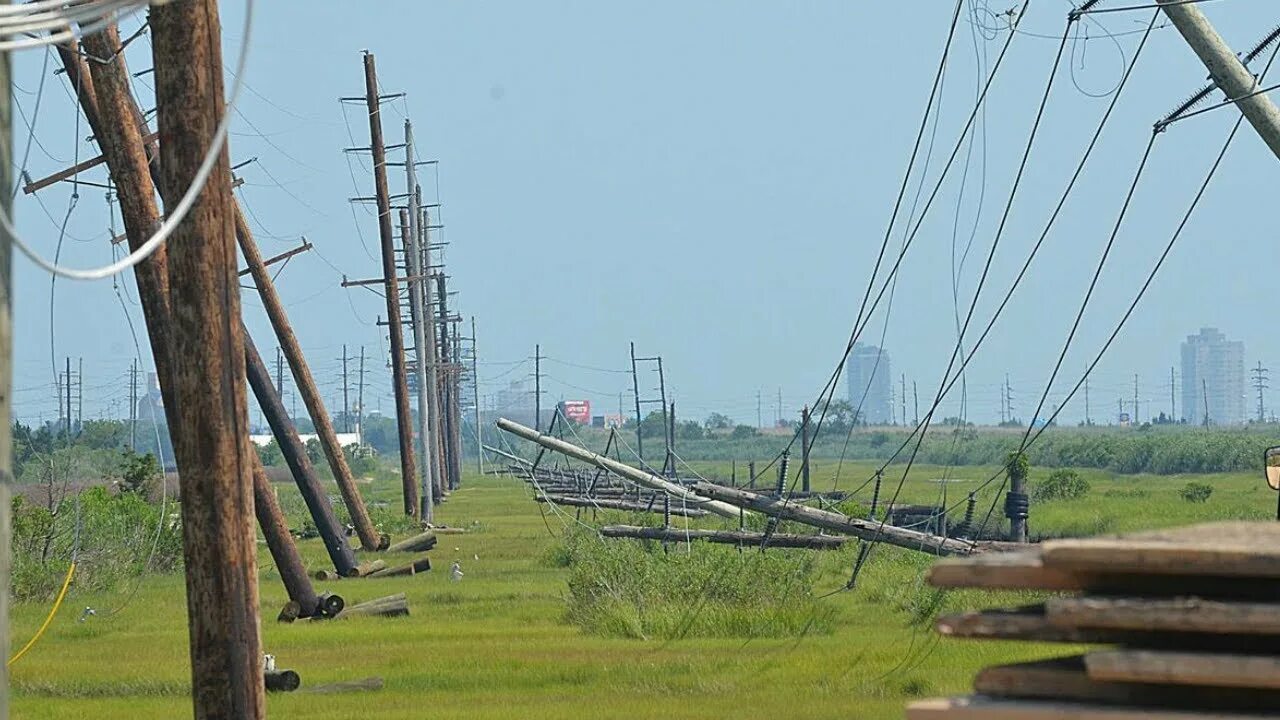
pixel 295 456
pixel 1226 69
pixel 370 539
pixel 408 471
pixel 639 477
pixel 613 504
pixel 836 522
pixel 726 537
pixel 215 472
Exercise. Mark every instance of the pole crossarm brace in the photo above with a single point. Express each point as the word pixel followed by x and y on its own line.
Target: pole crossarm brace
pixel 1226 69
pixel 379 281
pixel 639 477
pixel 70 172
pixel 305 246
pixel 837 522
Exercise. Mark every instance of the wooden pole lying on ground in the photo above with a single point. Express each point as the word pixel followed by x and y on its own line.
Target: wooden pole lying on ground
pixel 679 493
pixel 370 539
pixel 420 565
pixel 727 537
pixel 417 543
pixel 212 449
pixel 404 426
pixel 295 455
pixel 614 504
pixel 281 680
pixel 390 606
pixel 864 529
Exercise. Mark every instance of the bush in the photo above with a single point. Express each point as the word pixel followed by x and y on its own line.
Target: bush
pixel 113 537
pixel 1064 484
pixel 1196 492
pixel 631 589
pixel 139 473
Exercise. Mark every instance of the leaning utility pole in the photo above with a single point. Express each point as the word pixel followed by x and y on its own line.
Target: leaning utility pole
pixel 424 366
pixel 305 385
pixel 404 421
pixel 1226 70
pixel 409 243
pixel 215 471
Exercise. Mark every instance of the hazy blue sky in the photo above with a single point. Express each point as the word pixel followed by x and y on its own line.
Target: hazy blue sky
pixel 710 180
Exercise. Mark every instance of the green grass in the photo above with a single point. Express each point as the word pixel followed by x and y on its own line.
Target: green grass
pixel 500 644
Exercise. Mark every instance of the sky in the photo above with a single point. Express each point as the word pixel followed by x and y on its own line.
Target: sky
pixel 711 181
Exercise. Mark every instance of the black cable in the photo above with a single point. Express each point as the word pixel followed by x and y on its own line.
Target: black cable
pixel 1036 248
pixel 1013 191
pixel 859 325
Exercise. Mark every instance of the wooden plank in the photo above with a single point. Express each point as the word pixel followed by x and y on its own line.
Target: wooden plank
pixel 1186 668
pixel 986 708
pixel 1189 614
pixel 1240 549
pixel 1017 570
pixel 1030 623
pixel 1066 679
pixel 1027 570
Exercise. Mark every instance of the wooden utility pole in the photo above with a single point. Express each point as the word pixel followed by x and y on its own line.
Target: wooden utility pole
pixel 370 539
pixel 635 388
pixel 346 400
pixel 451 436
pixel 434 399
pixel 360 399
pixel 423 341
pixel 426 481
pixel 133 405
pixel 206 347
pixel 6 367
pixel 1230 75
pixel 804 448
pixel 400 383
pixel 295 456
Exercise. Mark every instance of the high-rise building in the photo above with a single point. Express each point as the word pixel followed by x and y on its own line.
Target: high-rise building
pixel 868 372
pixel 1212 379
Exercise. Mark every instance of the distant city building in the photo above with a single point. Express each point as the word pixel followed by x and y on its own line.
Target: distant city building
pixel 868 371
pixel 1212 379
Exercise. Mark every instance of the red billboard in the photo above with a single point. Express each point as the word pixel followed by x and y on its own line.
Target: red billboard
pixel 578 411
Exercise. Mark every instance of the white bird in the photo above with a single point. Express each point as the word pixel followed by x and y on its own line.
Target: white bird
pixel 268 662
pixel 455 572
pixel 477 557
pixel 88 612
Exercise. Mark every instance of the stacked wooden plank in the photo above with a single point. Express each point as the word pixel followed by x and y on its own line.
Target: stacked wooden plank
pixel 1189 621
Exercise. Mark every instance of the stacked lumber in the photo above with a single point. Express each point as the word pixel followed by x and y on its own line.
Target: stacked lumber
pixel 1188 621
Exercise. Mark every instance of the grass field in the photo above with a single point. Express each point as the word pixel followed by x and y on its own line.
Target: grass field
pixel 497 644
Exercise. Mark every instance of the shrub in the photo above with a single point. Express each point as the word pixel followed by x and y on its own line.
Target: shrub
pixel 631 589
pixel 1196 492
pixel 1063 484
pixel 139 473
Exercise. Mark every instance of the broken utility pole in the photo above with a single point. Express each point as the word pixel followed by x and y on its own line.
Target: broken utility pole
pixel 408 472
pixel 215 471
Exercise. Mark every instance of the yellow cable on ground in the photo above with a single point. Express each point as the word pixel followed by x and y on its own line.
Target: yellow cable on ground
pixel 54 611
